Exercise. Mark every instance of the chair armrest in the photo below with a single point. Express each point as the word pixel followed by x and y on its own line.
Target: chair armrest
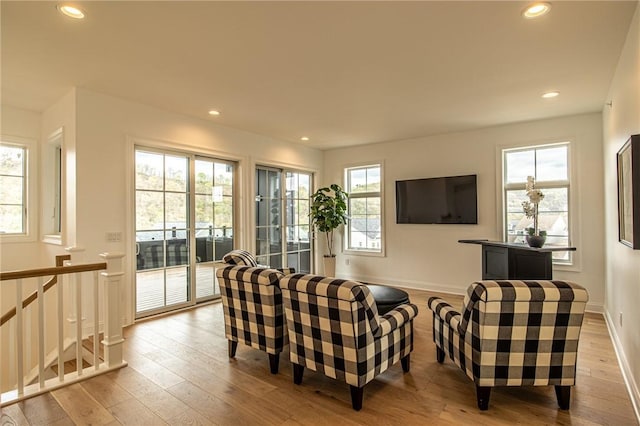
pixel 396 318
pixel 286 271
pixel 445 312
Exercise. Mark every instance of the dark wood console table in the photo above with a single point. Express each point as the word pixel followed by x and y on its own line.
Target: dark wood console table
pixel 511 261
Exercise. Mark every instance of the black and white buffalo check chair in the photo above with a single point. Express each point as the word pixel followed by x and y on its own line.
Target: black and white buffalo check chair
pixel 513 333
pixel 252 305
pixel 334 328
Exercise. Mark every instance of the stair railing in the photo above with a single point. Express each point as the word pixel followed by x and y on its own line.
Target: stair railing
pixel 111 272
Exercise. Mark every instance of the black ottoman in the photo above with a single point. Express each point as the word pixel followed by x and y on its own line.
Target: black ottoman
pixel 387 298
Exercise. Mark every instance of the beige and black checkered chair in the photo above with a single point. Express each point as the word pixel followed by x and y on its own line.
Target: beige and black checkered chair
pixel 252 305
pixel 513 333
pixel 334 328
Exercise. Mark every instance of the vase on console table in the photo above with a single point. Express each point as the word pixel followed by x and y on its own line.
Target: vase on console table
pixel 537 241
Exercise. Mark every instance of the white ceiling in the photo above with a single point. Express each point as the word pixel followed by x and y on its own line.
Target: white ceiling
pixel 341 73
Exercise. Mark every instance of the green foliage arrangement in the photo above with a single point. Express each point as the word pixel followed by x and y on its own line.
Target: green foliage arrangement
pixel 329 211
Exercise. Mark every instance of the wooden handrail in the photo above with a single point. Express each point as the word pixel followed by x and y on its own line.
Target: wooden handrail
pixel 59 269
pixel 33 296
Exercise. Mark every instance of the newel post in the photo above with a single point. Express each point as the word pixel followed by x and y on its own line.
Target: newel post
pixel 113 338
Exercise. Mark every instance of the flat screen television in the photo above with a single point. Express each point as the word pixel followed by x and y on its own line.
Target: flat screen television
pixel 446 200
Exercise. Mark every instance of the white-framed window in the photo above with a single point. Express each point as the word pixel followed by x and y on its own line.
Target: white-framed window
pixel 550 166
pixel 51 198
pixel 16 190
pixel 364 230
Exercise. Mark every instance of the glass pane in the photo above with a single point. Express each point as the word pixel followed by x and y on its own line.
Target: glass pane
pixel 552 164
pixel 303 212
pixel 275 261
pixel 176 289
pixel 149 171
pixel 11 189
pixel 176 210
pixel 150 291
pixel 177 252
pixel 555 199
pixel 516 225
pixel 305 262
pixel 304 183
pixel 262 212
pixel 262 260
pixel 224 177
pixel 373 179
pixel 373 223
pixel 292 184
pixel 149 210
pixel 223 244
pixel 11 219
pixel 223 213
pixel 261 182
pixel 357 180
pixel 292 261
pixel 292 245
pixel 204 177
pixel 262 245
pixel 373 240
pixel 150 248
pixel 176 173
pixel 515 199
pixel 556 224
pixel 357 206
pixel 519 165
pixel 204 211
pixel 204 248
pixel 275 240
pixel 273 182
pixel 303 234
pixel 205 280
pixel 373 205
pixel 11 160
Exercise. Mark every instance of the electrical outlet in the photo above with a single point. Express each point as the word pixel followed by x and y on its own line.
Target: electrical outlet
pixel 113 237
pixel 347 262
pixel 620 319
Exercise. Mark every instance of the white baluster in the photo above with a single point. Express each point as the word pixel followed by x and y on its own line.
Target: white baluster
pixel 41 332
pixel 96 322
pixel 60 329
pixel 78 281
pixel 19 338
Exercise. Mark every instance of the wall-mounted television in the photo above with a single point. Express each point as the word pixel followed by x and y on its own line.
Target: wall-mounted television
pixel 446 200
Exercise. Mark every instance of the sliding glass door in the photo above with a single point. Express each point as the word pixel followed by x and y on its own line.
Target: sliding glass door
pixel 183 225
pixel 282 218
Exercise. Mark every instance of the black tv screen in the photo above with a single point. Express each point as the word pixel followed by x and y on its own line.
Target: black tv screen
pixel 437 200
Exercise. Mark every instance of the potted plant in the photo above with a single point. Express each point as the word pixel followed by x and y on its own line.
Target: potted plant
pixel 535 237
pixel 328 212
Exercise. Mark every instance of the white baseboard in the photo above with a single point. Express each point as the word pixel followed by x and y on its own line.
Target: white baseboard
pixel 632 386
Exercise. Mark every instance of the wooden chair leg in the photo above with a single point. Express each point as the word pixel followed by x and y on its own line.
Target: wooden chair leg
pixel 232 348
pixel 356 397
pixel 406 363
pixel 274 361
pixel 483 393
pixel 439 355
pixel 297 373
pixel 563 393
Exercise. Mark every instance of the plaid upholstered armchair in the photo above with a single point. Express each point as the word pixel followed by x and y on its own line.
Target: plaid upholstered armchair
pixel 513 333
pixel 334 328
pixel 252 305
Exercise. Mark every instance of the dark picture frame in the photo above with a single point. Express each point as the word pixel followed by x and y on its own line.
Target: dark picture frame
pixel 629 193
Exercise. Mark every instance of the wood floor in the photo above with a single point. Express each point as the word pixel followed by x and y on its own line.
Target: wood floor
pixel 179 373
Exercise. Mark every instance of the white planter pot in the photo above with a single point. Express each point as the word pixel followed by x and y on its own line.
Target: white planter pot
pixel 329 266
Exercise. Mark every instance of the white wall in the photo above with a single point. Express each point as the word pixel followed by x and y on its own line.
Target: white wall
pixel 620 121
pixel 429 256
pixel 21 124
pixel 105 128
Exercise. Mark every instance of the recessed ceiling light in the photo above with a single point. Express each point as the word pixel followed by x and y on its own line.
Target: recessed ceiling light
pixel 214 112
pixel 71 11
pixel 550 95
pixel 536 9
pixel 304 138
